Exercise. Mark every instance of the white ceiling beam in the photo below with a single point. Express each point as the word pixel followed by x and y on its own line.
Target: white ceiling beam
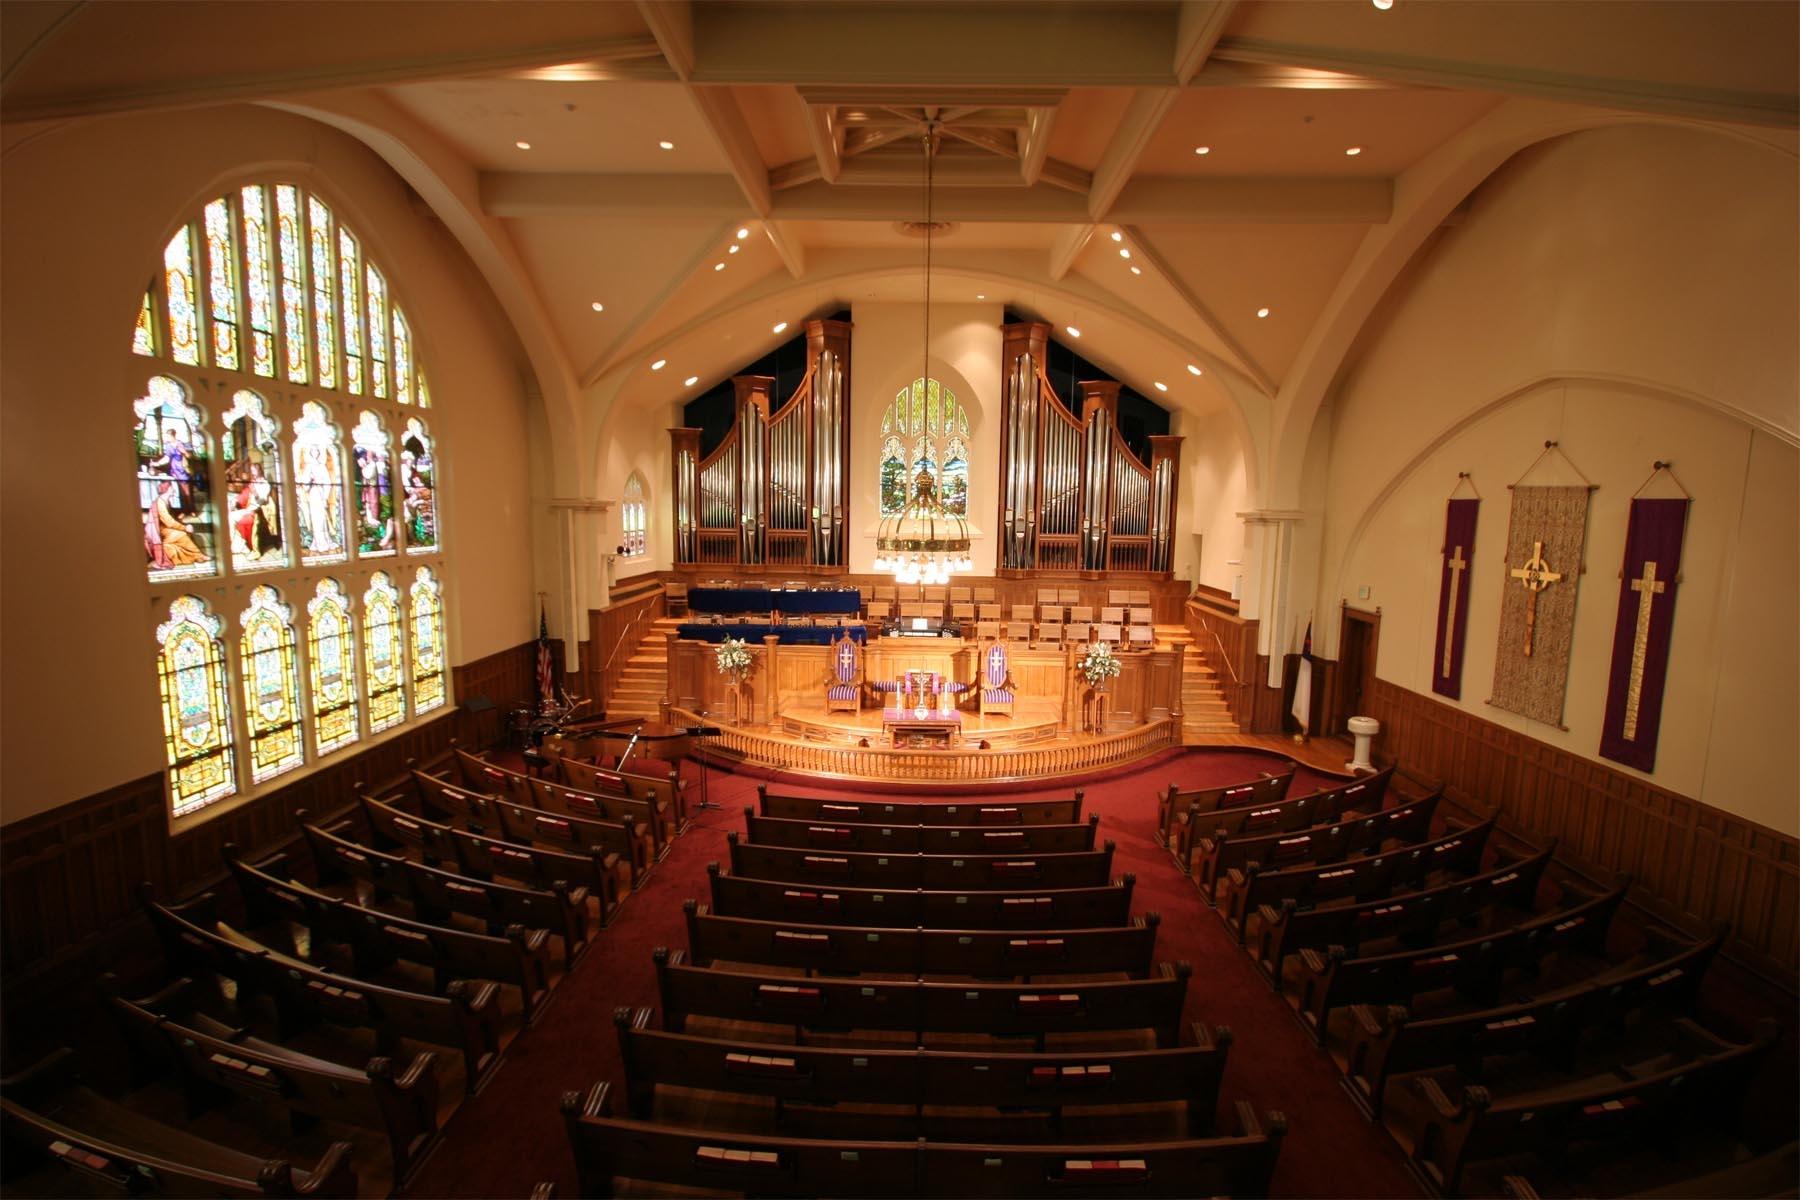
pixel 1035 147
pixel 1198 27
pixel 793 254
pixel 1069 245
pixel 986 139
pixel 866 96
pixel 801 170
pixel 1220 72
pixel 671 23
pixel 1160 264
pixel 1169 200
pixel 1133 133
pixel 1066 175
pixel 726 121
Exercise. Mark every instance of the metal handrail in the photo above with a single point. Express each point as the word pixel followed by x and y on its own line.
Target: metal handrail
pixel 1217 641
pixel 624 641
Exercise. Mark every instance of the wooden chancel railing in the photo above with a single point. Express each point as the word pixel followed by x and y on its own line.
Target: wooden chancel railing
pixel 950 768
pixel 1073 495
pixel 776 491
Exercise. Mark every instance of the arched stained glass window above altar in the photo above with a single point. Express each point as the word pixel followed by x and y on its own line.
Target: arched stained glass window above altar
pixel 925 430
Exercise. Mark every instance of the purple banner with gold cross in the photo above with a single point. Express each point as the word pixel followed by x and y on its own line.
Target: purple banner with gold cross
pixel 1453 598
pixel 1646 622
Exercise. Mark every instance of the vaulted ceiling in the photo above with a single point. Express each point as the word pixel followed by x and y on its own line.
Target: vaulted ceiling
pixel 1159 172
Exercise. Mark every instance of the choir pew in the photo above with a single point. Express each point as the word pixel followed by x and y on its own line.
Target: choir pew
pixel 1189 1075
pixel 989 954
pixel 1216 856
pixel 1001 1009
pixel 937 872
pixel 882 812
pixel 920 839
pixel 1060 908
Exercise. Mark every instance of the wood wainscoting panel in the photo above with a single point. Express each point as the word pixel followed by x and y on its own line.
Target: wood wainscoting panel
pixel 1691 863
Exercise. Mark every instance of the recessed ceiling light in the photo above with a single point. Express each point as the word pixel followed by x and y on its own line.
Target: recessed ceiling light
pixel 597 306
pixel 981 295
pixel 1383 5
pixel 523 145
pixel 1161 386
pixel 1262 312
pixel 718 266
pixel 779 327
pixel 1137 270
pixel 690 381
pixel 1124 253
pixel 1073 332
pixel 733 248
pixel 659 364
pixel 667 145
pixel 1117 236
pixel 1202 150
pixel 1353 151
pixel 742 233
pixel 1193 370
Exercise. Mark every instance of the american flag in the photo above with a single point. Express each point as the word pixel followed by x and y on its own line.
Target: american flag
pixel 546 673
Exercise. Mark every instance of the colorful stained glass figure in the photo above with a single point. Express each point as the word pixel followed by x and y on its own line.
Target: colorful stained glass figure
pixel 893 478
pixel 293 281
pixel 378 331
pixel 954 489
pixel 324 277
pixel 418 476
pixel 377 533
pixel 384 653
pixel 143 334
pixel 269 665
pixel 424 393
pixel 427 642
pixel 634 517
pixel 255 498
pixel 927 413
pixel 174 483
pixel 403 367
pixel 196 707
pixel 221 280
pixel 184 310
pixel 331 656
pixel 350 300
pixel 319 487
pixel 258 279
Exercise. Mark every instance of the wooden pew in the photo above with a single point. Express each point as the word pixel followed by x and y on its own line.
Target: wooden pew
pixel 1215 856
pixel 607 1148
pixel 1705 1085
pixel 1387 1042
pixel 467 808
pixel 479 775
pixel 920 839
pixel 525 823
pixel 668 793
pixel 844 811
pixel 213 1060
pixel 987 953
pixel 1457 852
pixel 466 1016
pixel 1366 794
pixel 1189 1075
pixel 1474 966
pixel 434 892
pixel 936 872
pixel 1001 1009
pixel 651 811
pixel 518 957
pixel 1174 805
pixel 47 1116
pixel 569 801
pixel 1056 908
pixel 1408 916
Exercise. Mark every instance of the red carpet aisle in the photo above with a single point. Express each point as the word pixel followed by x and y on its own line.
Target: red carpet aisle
pixel 511 1136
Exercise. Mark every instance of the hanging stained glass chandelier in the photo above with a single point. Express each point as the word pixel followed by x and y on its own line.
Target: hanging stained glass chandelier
pixel 924 542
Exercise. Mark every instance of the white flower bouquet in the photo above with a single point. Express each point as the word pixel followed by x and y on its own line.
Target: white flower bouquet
pixel 733 658
pixel 1099 664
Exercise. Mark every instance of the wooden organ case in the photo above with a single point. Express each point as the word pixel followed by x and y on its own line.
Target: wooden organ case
pixel 776 491
pixel 1073 496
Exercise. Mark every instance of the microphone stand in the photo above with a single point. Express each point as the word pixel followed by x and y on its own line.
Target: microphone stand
pixel 630 746
pixel 700 744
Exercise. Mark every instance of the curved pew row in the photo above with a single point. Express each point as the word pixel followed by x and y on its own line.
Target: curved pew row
pixel 607 1148
pixel 1173 807
pixel 920 839
pixel 926 812
pixel 936 872
pixel 1061 908
pixel 499 816
pixel 917 1079
pixel 1215 857
pixel 652 816
pixel 1256 815
pixel 988 954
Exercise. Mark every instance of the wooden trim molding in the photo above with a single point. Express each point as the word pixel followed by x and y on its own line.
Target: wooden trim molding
pixel 1691 864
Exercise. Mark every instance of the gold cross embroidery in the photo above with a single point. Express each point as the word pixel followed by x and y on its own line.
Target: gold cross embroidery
pixel 1457 564
pixel 1646 587
pixel 1536 575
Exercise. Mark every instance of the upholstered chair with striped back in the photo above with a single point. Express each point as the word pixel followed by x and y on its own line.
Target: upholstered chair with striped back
pixel 996 691
pixel 844 694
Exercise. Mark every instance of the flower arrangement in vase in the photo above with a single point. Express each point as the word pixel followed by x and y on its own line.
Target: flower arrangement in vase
pixel 1099 665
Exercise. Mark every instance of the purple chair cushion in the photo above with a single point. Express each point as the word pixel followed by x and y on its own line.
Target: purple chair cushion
pixel 840 692
pixel 996 696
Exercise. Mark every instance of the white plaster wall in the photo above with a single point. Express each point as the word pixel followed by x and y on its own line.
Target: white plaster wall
pixel 1213 492
pixel 88 207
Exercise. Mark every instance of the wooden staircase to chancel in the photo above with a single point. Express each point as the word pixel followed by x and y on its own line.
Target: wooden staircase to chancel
pixel 645 675
pixel 1204 715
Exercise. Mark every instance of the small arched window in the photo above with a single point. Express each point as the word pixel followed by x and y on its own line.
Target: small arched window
pixel 270 665
pixel 925 431
pixel 427 642
pixel 634 520
pixel 331 654
pixel 197 733
pixel 384 653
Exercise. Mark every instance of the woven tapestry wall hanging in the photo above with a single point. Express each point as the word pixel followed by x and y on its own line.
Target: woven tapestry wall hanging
pixel 1537 610
pixel 1453 593
pixel 1645 627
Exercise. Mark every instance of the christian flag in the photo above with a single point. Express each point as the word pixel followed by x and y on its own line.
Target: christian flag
pixel 1302 708
pixel 1453 598
pixel 546 671
pixel 1646 621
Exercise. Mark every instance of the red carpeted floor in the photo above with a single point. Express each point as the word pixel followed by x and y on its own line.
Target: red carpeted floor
pixel 511 1136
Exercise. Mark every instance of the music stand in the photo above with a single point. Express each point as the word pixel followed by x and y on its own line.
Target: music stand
pixel 700 735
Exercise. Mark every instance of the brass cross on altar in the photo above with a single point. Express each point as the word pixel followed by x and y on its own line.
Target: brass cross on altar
pixel 1457 564
pixel 1536 575
pixel 1646 588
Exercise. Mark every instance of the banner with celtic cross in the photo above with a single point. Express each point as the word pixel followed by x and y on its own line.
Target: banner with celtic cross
pixel 1537 609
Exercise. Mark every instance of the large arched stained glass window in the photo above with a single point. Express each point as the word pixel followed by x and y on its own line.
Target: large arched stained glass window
pixel 174 484
pixel 255 498
pixel 319 487
pixel 427 642
pixel 384 653
pixel 196 707
pixel 925 430
pixel 331 656
pixel 269 664
pixel 418 483
pixel 377 532
pixel 634 518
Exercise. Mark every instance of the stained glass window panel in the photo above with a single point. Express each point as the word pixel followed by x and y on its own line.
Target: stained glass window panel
pixel 927 413
pixel 378 334
pixel 418 476
pixel 384 648
pixel 143 334
pixel 324 275
pixel 403 367
pixel 424 392
pixel 319 487
pixel 331 658
pixel 293 281
pixel 268 663
pixel 427 642
pixel 954 490
pixel 221 281
pixel 350 298
pixel 377 532
pixel 634 516
pixel 196 707
pixel 174 484
pixel 258 280
pixel 893 478
pixel 184 311
pixel 255 501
